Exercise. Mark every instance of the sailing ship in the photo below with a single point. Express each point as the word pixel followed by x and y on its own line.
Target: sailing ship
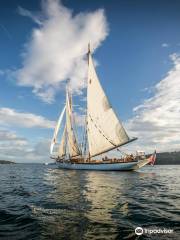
pixel 103 132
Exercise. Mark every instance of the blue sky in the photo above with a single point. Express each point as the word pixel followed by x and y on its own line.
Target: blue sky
pixel 136 43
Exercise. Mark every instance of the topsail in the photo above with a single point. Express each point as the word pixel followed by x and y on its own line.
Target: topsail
pixel 62 146
pixel 54 140
pixel 71 138
pixel 104 129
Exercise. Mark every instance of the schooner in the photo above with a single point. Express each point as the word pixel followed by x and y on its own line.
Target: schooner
pixel 103 133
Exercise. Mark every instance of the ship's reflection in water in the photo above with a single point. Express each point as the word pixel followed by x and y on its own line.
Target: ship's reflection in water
pixel 98 205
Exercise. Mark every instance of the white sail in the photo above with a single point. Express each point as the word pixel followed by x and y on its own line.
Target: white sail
pixel 104 129
pixel 71 139
pixel 62 146
pixel 54 139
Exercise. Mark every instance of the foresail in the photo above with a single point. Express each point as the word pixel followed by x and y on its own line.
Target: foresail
pixel 71 139
pixel 104 129
pixel 62 146
pixel 54 139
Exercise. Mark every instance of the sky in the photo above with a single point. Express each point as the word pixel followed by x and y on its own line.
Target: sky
pixel 136 48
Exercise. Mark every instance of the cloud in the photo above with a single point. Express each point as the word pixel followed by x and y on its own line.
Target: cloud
pixel 157 120
pixel 57 47
pixel 11 117
pixel 165 45
pixel 26 13
pixel 9 136
pixel 19 149
pixel 11 144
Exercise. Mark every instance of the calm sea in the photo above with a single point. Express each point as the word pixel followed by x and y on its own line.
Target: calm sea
pixel 39 202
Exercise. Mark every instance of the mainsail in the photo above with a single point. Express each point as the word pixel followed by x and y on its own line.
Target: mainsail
pixel 104 130
pixel 54 139
pixel 71 139
pixel 62 146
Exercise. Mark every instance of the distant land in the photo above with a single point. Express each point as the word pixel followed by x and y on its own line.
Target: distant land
pixel 168 158
pixel 6 162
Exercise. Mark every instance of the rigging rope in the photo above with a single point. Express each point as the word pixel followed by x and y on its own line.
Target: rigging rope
pixel 102 133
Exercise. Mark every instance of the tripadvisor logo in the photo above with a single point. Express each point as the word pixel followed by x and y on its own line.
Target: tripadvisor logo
pixel 139 231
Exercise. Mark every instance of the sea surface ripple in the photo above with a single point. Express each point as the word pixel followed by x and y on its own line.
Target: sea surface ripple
pixel 41 202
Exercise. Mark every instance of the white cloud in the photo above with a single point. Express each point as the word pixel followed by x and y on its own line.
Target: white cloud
pixel 38 152
pixel 56 50
pixel 165 45
pixel 9 136
pixel 11 117
pixel 157 120
pixel 26 13
pixel 19 149
pixel 11 144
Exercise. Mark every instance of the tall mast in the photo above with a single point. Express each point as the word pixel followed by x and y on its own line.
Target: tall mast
pixel 89 51
pixel 88 55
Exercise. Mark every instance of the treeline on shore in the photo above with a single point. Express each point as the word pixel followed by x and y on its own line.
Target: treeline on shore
pixel 6 162
pixel 168 158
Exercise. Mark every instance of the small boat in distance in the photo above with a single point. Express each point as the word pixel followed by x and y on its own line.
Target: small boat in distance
pixel 103 132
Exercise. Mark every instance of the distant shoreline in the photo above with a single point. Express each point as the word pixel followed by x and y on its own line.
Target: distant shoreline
pixel 6 162
pixel 168 158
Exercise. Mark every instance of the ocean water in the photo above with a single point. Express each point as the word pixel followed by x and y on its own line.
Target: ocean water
pixel 39 202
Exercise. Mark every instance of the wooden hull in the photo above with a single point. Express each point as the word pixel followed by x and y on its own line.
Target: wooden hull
pixel 129 166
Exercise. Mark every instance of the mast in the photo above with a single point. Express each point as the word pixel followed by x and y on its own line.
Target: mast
pixel 105 131
pixel 88 55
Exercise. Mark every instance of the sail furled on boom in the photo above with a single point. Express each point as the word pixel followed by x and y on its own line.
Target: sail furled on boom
pixel 72 143
pixel 58 125
pixel 62 145
pixel 104 129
